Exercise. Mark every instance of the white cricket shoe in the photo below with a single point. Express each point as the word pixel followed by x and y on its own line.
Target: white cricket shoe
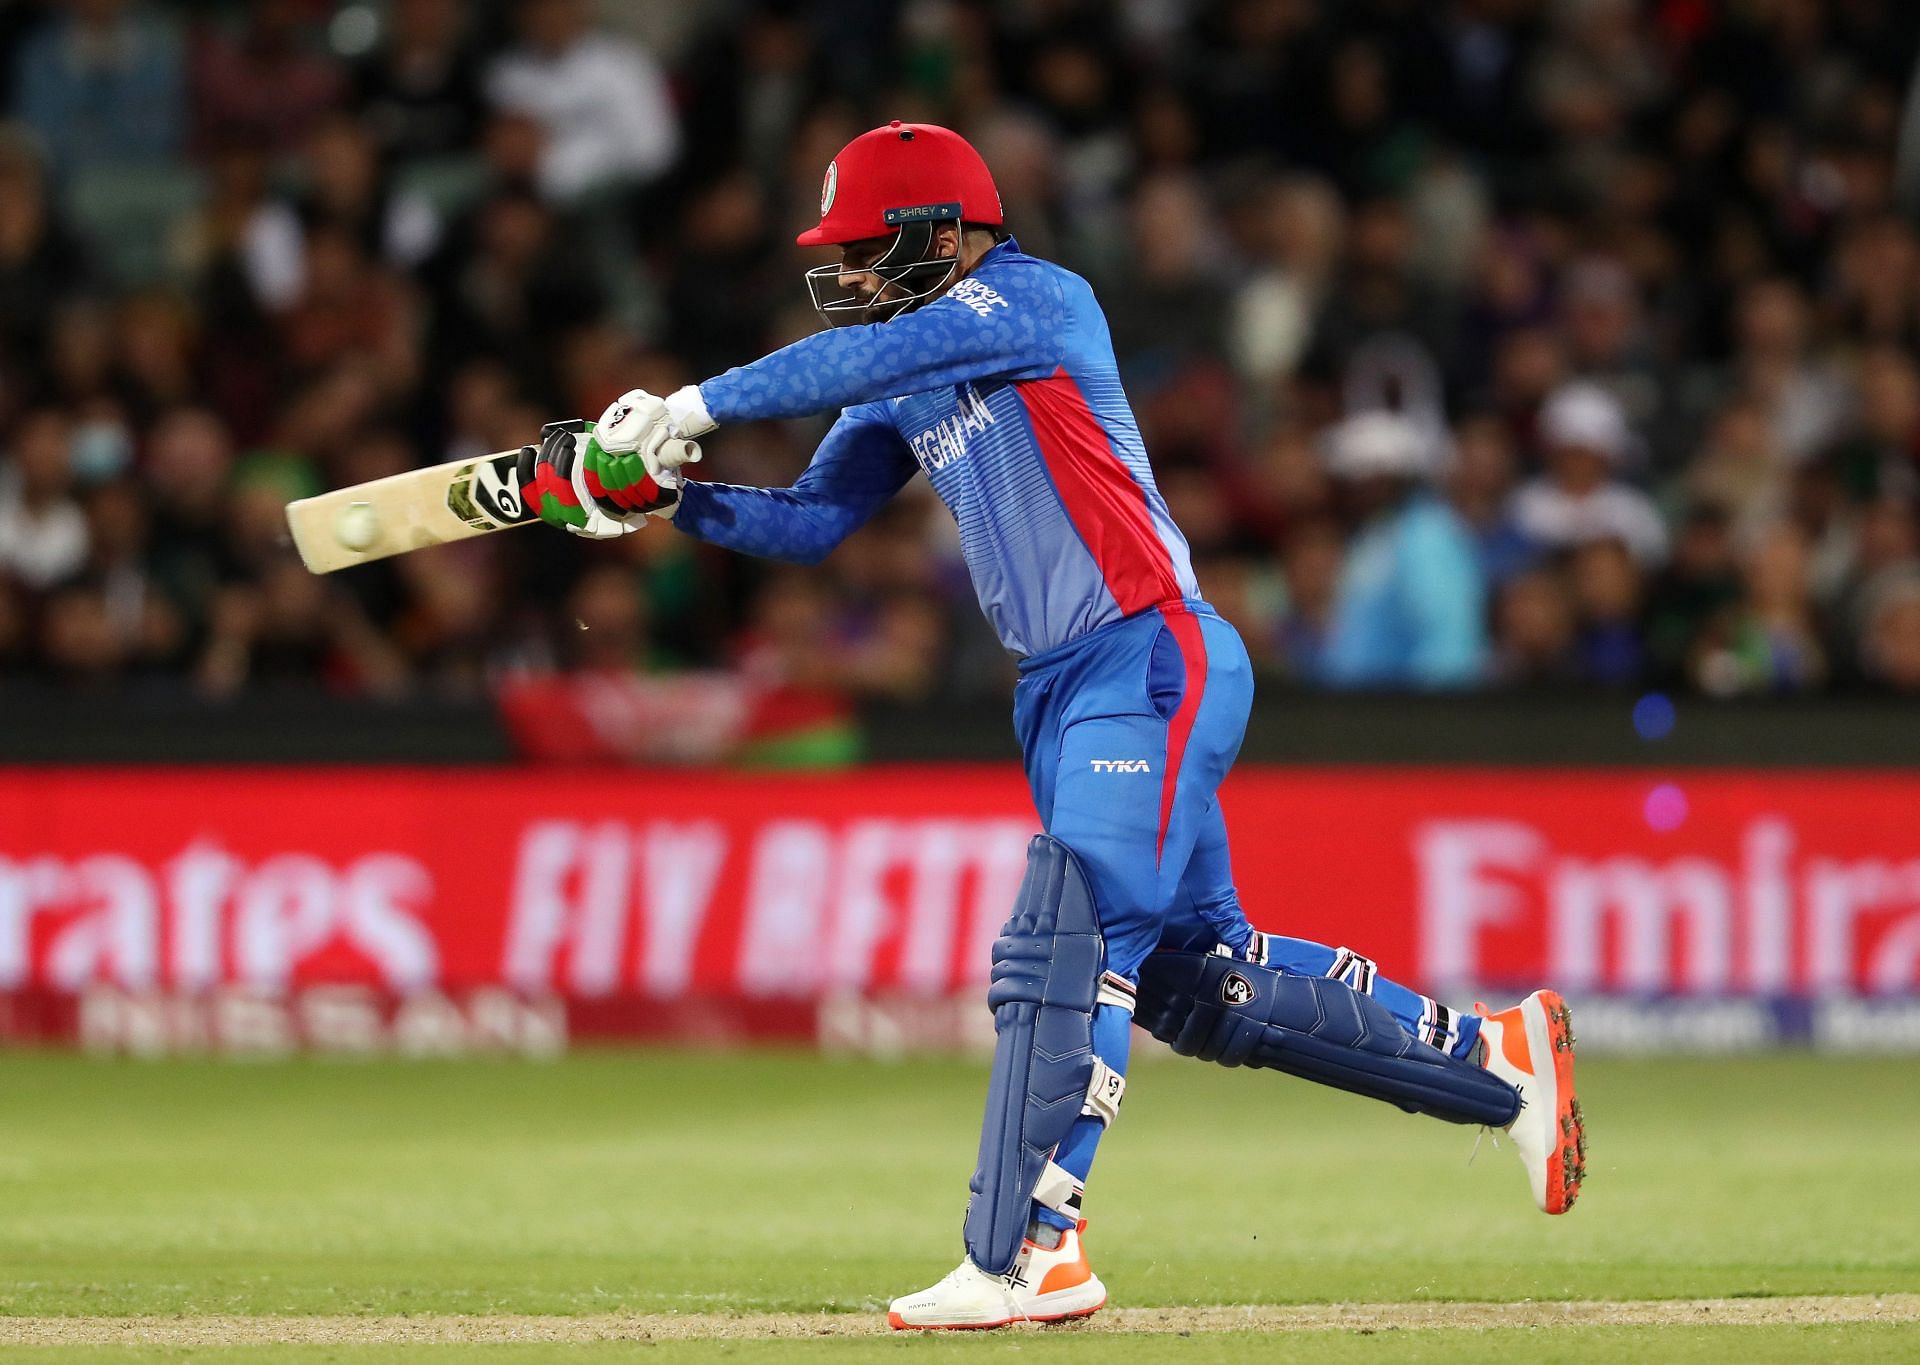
pixel 1046 1284
pixel 1530 1047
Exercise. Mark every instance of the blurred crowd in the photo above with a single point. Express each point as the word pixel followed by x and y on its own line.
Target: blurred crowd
pixel 1477 343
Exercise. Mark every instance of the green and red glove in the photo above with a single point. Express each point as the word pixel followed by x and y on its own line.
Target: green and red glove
pixel 576 485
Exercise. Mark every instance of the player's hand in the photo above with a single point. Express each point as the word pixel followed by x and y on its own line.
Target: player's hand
pixel 630 483
pixel 556 482
pixel 661 430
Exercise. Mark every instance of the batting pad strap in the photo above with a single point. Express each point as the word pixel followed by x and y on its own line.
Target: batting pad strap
pixel 1259 950
pixel 1104 1094
pixel 1060 1191
pixel 1116 991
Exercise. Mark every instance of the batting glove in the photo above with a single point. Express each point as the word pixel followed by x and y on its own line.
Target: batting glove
pixel 661 429
pixel 563 479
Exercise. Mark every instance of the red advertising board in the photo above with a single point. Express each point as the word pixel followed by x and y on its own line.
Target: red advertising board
pixel 640 901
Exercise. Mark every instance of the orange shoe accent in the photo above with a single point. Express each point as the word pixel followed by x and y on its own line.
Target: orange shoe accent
pixel 1567 1167
pixel 1067 1274
pixel 1513 1035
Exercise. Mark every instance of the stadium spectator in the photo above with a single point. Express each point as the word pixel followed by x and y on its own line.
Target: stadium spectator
pixel 1533 630
pixel 1608 648
pixel 1740 468
pixel 419 94
pixel 345 192
pixel 1774 367
pixel 43 531
pixel 1890 644
pixel 1607 340
pixel 723 274
pixel 1168 308
pixel 42 263
pixel 1290 232
pixel 1311 563
pixel 1880 456
pixel 1480 485
pixel 263 83
pixel 349 311
pixel 1769 642
pixel 602 101
pixel 1409 608
pixel 146 625
pixel 102 86
pixel 1700 582
pixel 188 465
pixel 508 285
pixel 1581 498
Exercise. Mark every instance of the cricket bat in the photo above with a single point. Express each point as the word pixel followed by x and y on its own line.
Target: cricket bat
pixel 408 511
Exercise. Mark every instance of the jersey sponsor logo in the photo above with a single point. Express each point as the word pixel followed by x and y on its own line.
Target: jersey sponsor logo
pixel 828 185
pixel 946 441
pixel 982 298
pixel 1236 989
pixel 1120 765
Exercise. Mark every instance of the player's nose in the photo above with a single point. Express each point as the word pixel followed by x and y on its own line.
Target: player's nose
pixel 861 282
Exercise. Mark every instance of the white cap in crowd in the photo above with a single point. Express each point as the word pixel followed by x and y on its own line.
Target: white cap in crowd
pixel 1377 445
pixel 1586 416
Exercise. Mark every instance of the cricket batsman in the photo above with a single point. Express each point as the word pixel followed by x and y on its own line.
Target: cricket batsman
pixel 955 354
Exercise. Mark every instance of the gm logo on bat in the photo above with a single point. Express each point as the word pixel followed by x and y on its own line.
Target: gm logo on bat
pixel 487 493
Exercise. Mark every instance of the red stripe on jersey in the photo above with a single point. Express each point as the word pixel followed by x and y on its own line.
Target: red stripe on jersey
pixel 1193 655
pixel 1107 508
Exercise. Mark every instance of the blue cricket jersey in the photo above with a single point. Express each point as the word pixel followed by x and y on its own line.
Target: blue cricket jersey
pixel 1004 390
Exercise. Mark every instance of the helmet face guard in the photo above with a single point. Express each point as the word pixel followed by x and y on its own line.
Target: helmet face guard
pixel 909 272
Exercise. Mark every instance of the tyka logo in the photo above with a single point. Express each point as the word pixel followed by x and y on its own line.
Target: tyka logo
pixel 1120 765
pixel 1236 989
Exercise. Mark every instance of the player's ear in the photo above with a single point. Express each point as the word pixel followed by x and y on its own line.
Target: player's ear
pixel 946 239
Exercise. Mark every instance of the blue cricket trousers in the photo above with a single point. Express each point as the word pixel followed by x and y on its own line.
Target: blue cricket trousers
pixel 1127 733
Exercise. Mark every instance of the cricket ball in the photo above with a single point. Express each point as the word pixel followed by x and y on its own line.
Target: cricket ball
pixel 356 527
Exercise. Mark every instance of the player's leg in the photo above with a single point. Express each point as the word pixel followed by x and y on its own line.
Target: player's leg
pixel 1226 1012
pixel 1055 1013
pixel 1118 745
pixel 1210 904
pixel 1136 831
pixel 1046 986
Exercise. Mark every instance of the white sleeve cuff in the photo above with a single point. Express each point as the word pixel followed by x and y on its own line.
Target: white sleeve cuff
pixel 687 412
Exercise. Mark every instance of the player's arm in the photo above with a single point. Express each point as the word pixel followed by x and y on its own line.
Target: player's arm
pixel 571 480
pixel 1003 324
pixel 861 463
pixel 1006 324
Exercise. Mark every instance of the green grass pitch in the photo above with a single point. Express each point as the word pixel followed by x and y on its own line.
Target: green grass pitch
pixel 772 1182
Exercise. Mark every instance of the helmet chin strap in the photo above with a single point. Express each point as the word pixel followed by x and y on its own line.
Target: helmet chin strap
pixel 908 266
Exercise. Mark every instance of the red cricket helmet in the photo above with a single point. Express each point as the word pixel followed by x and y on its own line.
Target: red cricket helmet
pixel 902 173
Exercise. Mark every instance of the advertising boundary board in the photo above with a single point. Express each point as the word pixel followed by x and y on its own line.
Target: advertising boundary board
pixel 423 910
